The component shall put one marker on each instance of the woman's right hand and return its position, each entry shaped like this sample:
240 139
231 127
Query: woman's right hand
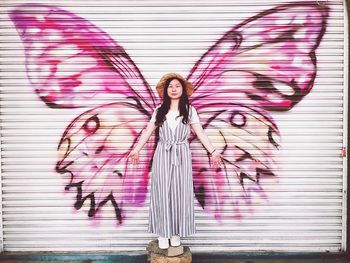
134 156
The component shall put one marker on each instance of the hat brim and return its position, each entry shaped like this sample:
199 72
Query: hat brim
161 84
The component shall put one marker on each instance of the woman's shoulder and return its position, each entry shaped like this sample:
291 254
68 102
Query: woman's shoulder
192 108
193 111
194 115
157 106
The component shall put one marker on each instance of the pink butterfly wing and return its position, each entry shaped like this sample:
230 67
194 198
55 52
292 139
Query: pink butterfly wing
93 151
267 62
72 63
248 140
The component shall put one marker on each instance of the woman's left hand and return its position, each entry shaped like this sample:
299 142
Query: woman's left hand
217 158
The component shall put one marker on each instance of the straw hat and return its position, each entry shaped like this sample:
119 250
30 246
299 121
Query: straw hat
161 84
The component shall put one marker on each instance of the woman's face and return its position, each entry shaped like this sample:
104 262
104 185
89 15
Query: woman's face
175 89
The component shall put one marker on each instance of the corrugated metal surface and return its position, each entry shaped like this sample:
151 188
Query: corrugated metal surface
306 209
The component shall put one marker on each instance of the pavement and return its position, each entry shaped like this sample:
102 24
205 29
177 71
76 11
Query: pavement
135 257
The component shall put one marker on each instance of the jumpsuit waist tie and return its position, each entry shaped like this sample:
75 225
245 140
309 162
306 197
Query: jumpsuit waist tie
172 146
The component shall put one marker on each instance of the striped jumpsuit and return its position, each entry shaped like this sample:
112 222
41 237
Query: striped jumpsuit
171 210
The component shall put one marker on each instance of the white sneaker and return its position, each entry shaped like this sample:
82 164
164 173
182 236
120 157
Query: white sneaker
175 241
163 242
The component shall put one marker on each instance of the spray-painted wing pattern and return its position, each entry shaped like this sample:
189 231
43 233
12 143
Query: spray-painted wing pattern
72 63
266 63
93 152
248 140
268 60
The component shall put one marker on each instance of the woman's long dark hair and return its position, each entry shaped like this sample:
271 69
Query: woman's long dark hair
184 104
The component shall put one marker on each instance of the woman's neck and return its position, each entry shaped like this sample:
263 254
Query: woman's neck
174 105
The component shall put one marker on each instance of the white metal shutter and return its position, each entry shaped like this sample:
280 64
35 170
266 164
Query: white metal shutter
307 208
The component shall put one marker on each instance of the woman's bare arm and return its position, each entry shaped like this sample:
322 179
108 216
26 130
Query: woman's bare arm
202 136
145 135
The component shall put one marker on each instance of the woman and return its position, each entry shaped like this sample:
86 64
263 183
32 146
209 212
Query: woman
172 197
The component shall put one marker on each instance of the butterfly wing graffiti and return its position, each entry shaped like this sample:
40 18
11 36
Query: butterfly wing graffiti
266 63
73 64
93 152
